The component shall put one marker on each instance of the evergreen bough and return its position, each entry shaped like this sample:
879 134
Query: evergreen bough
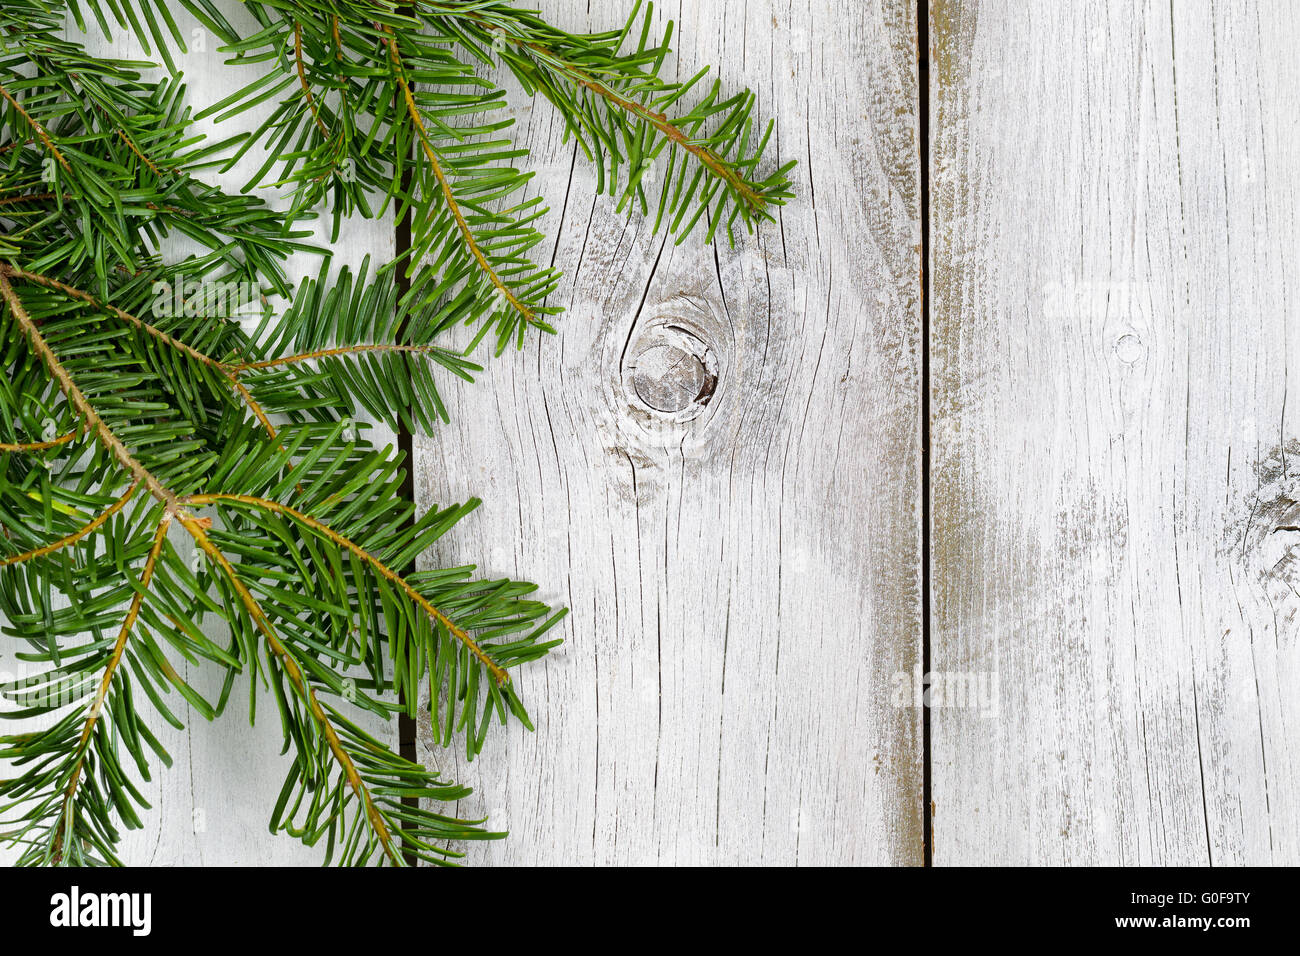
168 456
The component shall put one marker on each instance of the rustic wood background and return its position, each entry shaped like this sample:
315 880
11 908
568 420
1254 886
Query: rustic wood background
719 464
1114 224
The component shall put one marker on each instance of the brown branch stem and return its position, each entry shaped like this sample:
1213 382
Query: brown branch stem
37 127
88 529
136 149
115 658
330 353
441 175
295 675
35 197
302 79
39 445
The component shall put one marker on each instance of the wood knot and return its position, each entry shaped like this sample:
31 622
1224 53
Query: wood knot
1263 534
1129 348
670 372
669 379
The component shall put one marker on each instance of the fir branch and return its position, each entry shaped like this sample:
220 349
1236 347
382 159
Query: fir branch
64 825
18 273
197 528
77 398
89 528
615 102
755 199
498 673
295 675
448 195
189 351
33 446
37 128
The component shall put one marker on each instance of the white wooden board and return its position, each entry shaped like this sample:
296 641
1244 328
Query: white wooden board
1115 254
743 577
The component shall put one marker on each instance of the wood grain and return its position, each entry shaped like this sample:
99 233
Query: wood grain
1114 258
715 464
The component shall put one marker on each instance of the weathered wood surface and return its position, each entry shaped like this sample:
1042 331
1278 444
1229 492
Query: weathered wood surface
1114 225
715 465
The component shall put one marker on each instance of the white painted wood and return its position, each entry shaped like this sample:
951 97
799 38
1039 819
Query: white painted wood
214 804
1114 311
743 577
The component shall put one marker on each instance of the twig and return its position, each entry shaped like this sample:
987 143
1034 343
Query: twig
40 130
302 78
441 175
78 400
660 121
295 676
88 529
222 368
330 353
92 717
40 445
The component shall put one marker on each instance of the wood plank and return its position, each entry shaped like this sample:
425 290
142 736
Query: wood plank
1114 257
212 807
743 573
